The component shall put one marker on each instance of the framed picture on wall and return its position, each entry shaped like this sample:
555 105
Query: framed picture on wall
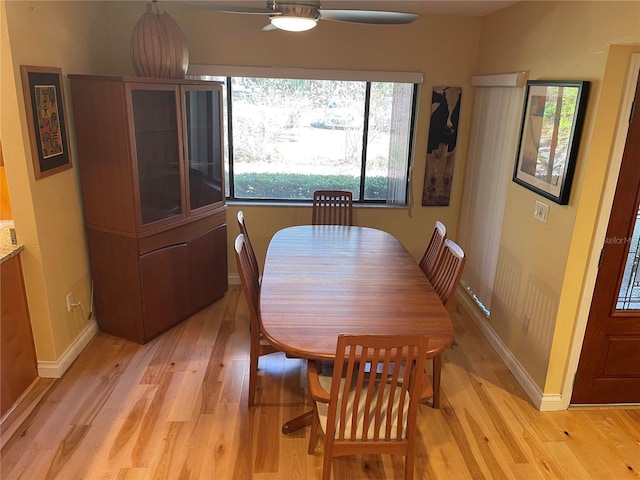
441 145
550 131
46 118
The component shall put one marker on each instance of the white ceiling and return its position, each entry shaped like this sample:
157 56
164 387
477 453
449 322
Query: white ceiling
437 7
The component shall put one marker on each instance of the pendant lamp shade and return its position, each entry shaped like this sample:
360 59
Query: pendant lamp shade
158 46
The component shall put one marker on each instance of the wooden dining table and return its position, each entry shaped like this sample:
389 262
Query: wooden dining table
320 281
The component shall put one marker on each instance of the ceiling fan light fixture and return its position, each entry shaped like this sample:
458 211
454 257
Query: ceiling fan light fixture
293 23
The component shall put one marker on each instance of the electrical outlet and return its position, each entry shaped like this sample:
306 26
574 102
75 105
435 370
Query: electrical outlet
541 211
525 324
70 301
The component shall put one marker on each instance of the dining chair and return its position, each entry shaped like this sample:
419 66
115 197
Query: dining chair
249 279
434 249
446 279
332 207
363 411
252 256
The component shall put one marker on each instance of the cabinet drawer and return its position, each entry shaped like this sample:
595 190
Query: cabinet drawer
182 233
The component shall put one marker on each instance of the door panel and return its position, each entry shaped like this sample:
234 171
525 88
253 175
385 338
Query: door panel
208 267
609 367
164 274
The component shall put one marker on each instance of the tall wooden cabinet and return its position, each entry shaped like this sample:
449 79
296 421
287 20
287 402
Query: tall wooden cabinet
152 173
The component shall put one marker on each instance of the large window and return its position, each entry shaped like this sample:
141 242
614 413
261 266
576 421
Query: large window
288 137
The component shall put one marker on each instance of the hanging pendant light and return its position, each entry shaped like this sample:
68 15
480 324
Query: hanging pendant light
158 46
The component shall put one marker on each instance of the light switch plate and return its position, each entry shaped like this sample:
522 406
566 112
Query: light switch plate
541 211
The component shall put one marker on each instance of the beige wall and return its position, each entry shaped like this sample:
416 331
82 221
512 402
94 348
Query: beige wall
48 212
554 40
549 39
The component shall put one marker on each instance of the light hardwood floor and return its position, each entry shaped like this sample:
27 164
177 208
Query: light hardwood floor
176 409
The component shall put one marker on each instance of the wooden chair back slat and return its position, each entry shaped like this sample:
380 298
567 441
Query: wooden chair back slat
374 395
434 250
247 240
248 278
332 207
448 271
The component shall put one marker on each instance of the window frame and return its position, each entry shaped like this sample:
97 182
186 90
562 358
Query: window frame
207 72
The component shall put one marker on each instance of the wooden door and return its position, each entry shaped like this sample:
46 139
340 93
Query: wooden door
609 367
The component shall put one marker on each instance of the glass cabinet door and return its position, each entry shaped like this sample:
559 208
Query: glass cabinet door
204 146
155 117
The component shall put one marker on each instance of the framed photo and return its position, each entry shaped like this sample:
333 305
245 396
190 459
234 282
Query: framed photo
46 118
552 120
441 149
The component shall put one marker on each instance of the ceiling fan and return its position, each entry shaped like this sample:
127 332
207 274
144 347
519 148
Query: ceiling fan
298 16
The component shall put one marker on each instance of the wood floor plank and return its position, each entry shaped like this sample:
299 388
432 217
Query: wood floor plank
525 471
221 451
176 409
509 440
232 389
213 379
462 439
170 458
436 454
582 437
612 426
243 445
631 419
567 461
34 464
22 443
486 444
17 415
186 405
66 449
269 421
131 474
197 448
151 424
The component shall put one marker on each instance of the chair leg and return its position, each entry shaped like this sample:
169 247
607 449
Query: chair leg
437 370
313 436
253 377
326 461
409 466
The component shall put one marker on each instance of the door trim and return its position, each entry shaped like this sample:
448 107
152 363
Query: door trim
601 226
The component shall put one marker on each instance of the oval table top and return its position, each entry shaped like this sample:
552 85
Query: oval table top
321 281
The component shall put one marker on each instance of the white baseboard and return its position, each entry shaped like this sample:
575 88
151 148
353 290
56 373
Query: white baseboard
234 279
553 402
543 402
56 369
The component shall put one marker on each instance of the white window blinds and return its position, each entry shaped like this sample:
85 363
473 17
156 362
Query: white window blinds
492 150
399 143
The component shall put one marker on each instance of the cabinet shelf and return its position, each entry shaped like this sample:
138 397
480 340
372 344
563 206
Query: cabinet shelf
164 131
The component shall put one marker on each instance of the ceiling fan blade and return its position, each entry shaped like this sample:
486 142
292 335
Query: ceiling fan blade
368 16
243 10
